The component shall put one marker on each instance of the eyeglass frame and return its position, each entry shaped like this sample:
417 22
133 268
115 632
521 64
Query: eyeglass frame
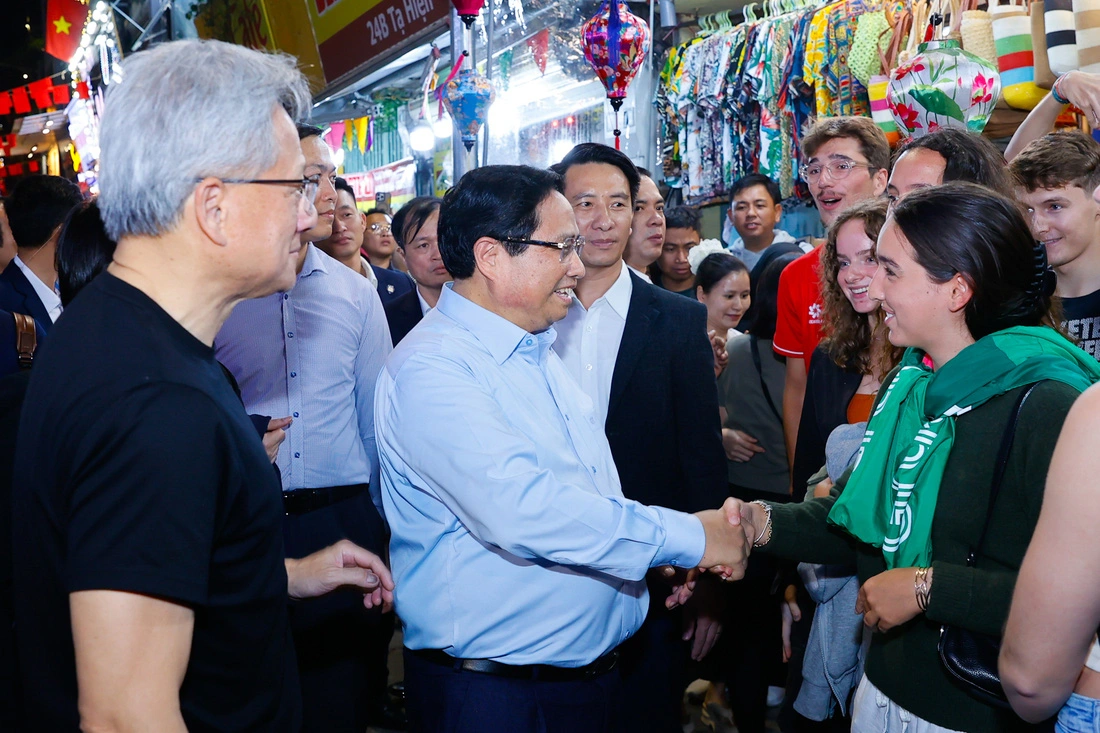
804 172
382 229
565 248
301 183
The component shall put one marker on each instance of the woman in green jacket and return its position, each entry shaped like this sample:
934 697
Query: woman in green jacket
967 290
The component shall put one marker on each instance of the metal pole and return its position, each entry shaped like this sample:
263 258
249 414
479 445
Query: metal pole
488 75
458 150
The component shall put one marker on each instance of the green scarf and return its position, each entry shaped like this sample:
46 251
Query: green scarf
890 498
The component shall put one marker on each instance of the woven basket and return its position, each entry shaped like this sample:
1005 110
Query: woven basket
977 34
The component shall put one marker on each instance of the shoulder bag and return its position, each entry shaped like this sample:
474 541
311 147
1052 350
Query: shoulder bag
969 656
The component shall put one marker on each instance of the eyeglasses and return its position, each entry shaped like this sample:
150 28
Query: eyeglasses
566 247
381 229
838 170
307 187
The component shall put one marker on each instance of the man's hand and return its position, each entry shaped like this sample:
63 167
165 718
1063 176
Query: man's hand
791 612
343 565
739 445
721 356
275 435
728 540
702 618
1083 92
889 599
682 581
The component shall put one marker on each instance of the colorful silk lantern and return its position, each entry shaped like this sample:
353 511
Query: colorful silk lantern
468 10
467 98
615 45
943 86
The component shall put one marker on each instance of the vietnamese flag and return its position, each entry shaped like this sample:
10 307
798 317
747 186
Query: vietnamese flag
64 24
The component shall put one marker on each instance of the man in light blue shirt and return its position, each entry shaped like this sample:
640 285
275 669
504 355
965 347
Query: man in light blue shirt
314 353
519 565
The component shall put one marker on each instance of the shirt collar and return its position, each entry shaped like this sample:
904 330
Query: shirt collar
500 336
46 293
617 296
314 262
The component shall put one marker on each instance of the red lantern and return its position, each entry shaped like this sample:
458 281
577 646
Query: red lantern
468 10
615 44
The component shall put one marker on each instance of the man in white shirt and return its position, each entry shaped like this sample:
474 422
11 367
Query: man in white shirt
36 211
642 356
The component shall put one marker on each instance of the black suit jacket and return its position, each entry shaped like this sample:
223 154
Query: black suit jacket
662 415
829 389
403 314
17 296
392 284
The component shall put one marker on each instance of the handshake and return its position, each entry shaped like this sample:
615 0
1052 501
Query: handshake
730 532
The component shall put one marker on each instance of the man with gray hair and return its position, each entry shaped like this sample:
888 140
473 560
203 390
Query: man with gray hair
152 592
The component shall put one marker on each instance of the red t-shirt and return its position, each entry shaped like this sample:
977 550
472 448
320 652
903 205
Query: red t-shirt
798 320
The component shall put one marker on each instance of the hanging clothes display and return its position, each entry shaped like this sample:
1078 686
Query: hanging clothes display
736 99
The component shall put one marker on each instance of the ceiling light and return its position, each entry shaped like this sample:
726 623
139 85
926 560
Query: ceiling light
422 138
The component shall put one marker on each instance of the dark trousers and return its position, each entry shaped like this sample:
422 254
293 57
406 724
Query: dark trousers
341 661
654 670
441 699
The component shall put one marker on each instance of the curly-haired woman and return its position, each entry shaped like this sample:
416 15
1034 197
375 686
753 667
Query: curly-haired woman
849 364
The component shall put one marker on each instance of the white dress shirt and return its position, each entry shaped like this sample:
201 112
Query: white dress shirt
424 307
49 297
368 272
588 340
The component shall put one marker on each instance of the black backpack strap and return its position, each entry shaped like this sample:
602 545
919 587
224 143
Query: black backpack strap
1000 467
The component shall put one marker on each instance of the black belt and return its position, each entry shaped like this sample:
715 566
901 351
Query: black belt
544 672
303 501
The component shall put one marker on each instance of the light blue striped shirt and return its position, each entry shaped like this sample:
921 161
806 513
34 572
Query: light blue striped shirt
314 353
511 537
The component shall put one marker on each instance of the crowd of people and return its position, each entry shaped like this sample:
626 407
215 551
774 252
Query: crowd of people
581 456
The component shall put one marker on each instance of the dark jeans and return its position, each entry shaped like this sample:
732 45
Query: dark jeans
341 655
440 699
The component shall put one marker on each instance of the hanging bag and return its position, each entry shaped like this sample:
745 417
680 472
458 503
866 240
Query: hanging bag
977 32
1086 19
969 656
1061 32
1043 76
877 84
1015 58
871 37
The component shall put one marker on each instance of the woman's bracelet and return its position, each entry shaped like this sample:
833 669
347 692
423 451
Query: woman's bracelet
1057 94
922 587
760 541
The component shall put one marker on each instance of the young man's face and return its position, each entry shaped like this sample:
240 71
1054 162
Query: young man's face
1065 220
754 214
378 237
319 163
647 232
915 169
674 256
852 179
600 196
347 229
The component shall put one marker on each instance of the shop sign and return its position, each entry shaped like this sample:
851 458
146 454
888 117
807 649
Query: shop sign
397 179
352 32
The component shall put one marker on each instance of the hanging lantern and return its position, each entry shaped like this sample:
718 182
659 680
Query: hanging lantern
468 10
467 98
615 45
943 86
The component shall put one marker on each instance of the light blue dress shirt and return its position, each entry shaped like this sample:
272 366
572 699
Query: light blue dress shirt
511 537
314 353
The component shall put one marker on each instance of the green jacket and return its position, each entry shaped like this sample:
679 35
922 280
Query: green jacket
904 663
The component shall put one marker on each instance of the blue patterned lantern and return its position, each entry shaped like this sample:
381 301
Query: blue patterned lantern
467 98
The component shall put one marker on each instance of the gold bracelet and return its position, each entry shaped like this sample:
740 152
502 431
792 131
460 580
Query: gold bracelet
922 588
767 524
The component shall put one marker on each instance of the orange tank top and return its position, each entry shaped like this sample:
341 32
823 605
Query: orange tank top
859 409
